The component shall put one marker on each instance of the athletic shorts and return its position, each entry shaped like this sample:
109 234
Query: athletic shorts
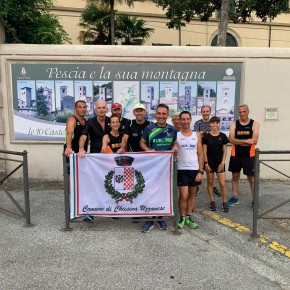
187 178
214 168
247 163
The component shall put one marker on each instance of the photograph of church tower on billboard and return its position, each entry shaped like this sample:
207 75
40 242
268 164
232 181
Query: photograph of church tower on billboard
64 99
206 95
225 103
84 92
187 97
169 95
26 97
26 105
150 97
102 90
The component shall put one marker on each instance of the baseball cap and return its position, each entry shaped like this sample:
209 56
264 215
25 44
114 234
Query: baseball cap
116 106
139 106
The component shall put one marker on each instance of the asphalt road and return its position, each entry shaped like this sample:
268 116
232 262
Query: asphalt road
114 254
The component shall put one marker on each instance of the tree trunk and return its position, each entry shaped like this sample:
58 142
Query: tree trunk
2 33
112 6
2 29
223 23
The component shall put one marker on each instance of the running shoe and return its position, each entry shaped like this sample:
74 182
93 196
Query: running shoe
216 192
181 222
192 224
233 200
147 227
225 207
212 206
88 218
162 225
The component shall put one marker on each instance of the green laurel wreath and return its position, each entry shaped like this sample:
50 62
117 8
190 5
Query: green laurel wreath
117 195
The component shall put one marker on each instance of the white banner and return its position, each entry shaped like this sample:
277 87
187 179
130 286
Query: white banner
135 184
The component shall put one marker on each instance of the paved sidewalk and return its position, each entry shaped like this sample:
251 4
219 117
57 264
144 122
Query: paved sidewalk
114 254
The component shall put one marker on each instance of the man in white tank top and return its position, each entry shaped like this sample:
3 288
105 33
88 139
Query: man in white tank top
190 164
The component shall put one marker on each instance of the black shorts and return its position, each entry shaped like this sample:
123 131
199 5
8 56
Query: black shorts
247 163
214 168
187 178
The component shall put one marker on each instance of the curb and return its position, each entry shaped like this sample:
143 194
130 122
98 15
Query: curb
262 240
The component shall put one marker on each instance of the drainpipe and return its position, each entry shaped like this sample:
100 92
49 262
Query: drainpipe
270 33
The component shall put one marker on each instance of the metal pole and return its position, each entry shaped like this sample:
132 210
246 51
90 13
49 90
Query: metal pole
66 194
26 189
175 194
256 193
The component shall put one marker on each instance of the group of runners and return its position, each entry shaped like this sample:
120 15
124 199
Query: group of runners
200 150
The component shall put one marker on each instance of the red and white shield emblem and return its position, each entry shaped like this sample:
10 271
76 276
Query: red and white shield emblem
124 178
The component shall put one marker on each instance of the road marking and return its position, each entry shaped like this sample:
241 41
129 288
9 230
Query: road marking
274 245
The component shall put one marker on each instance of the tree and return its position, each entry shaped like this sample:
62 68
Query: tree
63 116
96 21
223 23
29 21
183 11
111 4
42 110
132 30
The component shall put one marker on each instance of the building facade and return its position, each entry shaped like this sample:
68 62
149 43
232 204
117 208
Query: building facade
196 33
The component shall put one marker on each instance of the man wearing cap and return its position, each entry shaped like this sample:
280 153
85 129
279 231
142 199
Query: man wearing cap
117 110
134 130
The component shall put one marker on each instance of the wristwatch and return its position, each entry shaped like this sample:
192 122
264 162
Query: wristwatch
201 172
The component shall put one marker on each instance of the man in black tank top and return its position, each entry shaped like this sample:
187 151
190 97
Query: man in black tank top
74 127
244 134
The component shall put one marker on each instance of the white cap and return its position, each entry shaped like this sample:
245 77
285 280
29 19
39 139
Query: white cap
139 106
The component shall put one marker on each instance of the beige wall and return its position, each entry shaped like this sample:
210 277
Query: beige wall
255 34
265 83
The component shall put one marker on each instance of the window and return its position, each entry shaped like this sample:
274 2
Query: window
231 41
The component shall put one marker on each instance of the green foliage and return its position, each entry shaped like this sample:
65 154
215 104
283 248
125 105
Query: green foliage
96 22
182 11
132 30
111 4
212 93
42 110
263 9
45 117
29 21
199 90
63 116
